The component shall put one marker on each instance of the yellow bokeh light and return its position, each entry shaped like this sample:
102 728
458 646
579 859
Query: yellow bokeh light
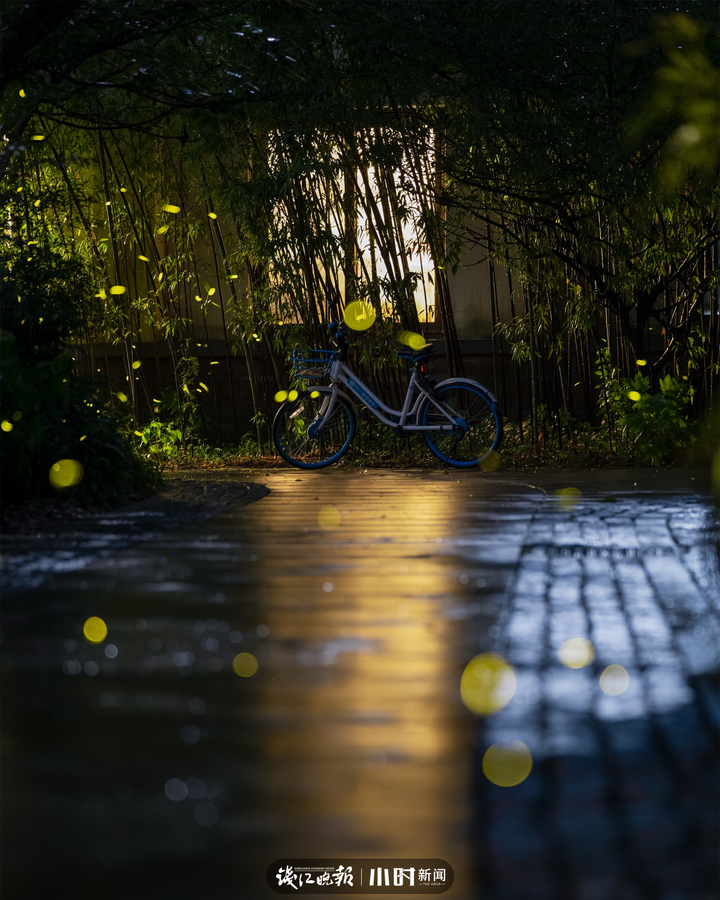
293 395
315 395
576 653
122 397
491 462
17 415
117 289
137 364
568 498
507 763
329 518
245 665
487 684
614 680
281 396
412 339
162 229
95 630
359 315
6 426
634 395
641 362
65 473
171 208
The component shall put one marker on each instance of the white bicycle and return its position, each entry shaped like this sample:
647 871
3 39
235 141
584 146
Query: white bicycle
459 417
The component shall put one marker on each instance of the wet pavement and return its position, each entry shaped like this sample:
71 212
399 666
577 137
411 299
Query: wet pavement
145 767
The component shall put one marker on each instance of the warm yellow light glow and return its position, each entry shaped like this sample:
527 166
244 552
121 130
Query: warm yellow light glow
576 653
568 498
491 462
487 684
162 229
82 437
171 208
359 315
412 339
507 763
634 395
281 396
144 258
95 630
614 680
329 518
293 395
65 473
245 665
315 394
641 362
38 137
212 215
17 415
117 289
137 364
21 92
122 397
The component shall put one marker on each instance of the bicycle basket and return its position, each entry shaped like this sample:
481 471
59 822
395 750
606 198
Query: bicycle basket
309 364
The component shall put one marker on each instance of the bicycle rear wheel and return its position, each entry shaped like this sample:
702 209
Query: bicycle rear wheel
296 439
479 432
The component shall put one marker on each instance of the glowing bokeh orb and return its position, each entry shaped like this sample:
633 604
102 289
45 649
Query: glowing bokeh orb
507 763
488 684
641 362
412 339
634 395
568 498
95 630
576 653
65 473
281 396
359 315
315 395
245 665
6 426
491 461
293 395
614 680
329 518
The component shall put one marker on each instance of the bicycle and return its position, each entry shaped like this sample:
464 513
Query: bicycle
459 417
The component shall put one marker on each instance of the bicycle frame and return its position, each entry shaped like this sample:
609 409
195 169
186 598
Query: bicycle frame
342 374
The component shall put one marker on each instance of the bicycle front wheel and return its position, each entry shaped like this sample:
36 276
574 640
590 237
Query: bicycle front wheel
479 432
297 437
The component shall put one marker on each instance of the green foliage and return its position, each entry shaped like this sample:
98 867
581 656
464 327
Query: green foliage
56 415
653 426
160 439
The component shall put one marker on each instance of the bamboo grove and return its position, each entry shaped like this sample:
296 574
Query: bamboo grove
226 184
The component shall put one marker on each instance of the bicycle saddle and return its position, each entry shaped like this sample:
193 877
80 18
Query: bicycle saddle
416 356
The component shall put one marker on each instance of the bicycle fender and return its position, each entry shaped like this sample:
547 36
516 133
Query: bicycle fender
476 384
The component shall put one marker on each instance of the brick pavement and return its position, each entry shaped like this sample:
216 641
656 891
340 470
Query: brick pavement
352 738
623 800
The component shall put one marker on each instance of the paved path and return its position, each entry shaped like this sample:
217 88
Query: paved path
351 739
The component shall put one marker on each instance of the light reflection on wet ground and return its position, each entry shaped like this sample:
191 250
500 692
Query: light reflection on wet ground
144 767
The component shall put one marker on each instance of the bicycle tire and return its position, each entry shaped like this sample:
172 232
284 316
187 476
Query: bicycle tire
293 420
464 449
